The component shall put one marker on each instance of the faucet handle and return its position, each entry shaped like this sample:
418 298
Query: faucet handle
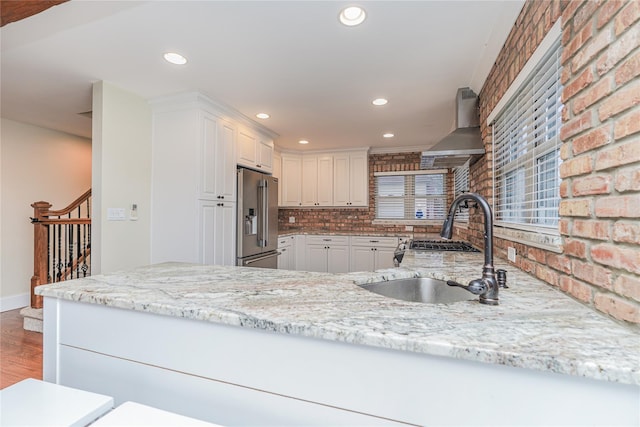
501 276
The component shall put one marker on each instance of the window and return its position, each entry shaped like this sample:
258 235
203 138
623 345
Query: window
526 149
461 185
411 196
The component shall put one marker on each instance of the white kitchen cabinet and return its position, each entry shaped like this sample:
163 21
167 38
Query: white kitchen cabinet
291 182
254 151
217 159
325 179
327 254
217 237
224 156
287 257
372 253
317 180
277 173
351 179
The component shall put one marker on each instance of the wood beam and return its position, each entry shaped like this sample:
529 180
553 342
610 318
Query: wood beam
15 10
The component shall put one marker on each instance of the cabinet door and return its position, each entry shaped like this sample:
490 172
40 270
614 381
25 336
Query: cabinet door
309 181
316 258
325 181
264 155
225 159
225 234
362 258
338 259
341 180
277 173
291 180
208 142
247 149
206 231
384 258
358 180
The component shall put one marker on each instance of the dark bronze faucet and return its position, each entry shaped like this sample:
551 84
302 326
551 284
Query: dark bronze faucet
487 286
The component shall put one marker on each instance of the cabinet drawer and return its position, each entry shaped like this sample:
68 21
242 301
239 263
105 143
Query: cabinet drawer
285 241
374 241
323 240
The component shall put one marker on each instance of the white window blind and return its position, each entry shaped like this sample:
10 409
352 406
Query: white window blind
461 185
411 196
526 149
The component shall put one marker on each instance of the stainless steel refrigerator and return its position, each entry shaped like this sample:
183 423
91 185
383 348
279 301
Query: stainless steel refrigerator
257 237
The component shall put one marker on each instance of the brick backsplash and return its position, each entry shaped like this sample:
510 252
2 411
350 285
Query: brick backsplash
600 190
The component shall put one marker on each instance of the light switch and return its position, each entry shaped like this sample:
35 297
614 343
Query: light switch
116 214
133 213
292 219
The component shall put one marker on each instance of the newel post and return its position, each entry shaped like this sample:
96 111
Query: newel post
40 258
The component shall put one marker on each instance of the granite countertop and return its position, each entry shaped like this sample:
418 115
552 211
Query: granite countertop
534 327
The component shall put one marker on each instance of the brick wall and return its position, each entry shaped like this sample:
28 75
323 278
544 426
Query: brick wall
600 190
357 220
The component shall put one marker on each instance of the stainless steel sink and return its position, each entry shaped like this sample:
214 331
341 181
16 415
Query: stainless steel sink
420 289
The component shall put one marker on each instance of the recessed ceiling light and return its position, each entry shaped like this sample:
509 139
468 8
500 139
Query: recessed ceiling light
262 116
388 135
379 101
352 16
303 141
175 58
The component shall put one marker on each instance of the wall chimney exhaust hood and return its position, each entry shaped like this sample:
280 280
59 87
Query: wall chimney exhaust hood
464 142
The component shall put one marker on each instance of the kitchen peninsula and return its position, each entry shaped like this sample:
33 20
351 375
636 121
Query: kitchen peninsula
237 346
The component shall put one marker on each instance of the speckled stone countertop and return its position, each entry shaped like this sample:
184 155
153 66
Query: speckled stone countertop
535 326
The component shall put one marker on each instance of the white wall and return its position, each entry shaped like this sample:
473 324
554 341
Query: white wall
35 164
121 177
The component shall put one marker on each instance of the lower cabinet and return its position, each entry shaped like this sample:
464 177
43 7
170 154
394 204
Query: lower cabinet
217 233
329 254
336 254
372 253
287 257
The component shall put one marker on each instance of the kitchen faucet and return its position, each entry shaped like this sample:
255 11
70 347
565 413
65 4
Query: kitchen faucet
487 286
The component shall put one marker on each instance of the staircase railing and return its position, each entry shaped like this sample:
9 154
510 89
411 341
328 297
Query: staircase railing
61 243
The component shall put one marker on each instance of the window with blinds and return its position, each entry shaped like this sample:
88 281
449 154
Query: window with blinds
461 185
415 196
526 149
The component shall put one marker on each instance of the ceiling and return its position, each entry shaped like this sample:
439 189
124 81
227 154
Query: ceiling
290 59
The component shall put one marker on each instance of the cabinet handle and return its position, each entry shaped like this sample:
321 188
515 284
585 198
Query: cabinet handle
222 197
326 240
258 166
374 241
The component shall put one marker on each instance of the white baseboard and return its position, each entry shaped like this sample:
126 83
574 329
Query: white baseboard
14 301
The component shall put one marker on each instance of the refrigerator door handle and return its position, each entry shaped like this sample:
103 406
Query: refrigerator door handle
262 213
265 217
262 257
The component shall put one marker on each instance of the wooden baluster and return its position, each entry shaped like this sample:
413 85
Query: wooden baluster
39 250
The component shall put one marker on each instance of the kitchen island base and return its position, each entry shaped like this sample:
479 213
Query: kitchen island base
235 375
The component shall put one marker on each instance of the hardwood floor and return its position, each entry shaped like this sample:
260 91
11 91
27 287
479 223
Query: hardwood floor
20 350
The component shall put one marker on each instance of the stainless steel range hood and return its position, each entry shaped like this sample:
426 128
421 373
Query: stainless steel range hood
464 142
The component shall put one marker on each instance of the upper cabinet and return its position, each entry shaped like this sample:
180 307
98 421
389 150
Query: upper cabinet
277 173
325 179
291 182
351 179
255 151
317 180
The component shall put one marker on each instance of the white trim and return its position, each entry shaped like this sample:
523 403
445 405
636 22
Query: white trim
420 172
543 48
14 302
549 242
416 222
391 150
